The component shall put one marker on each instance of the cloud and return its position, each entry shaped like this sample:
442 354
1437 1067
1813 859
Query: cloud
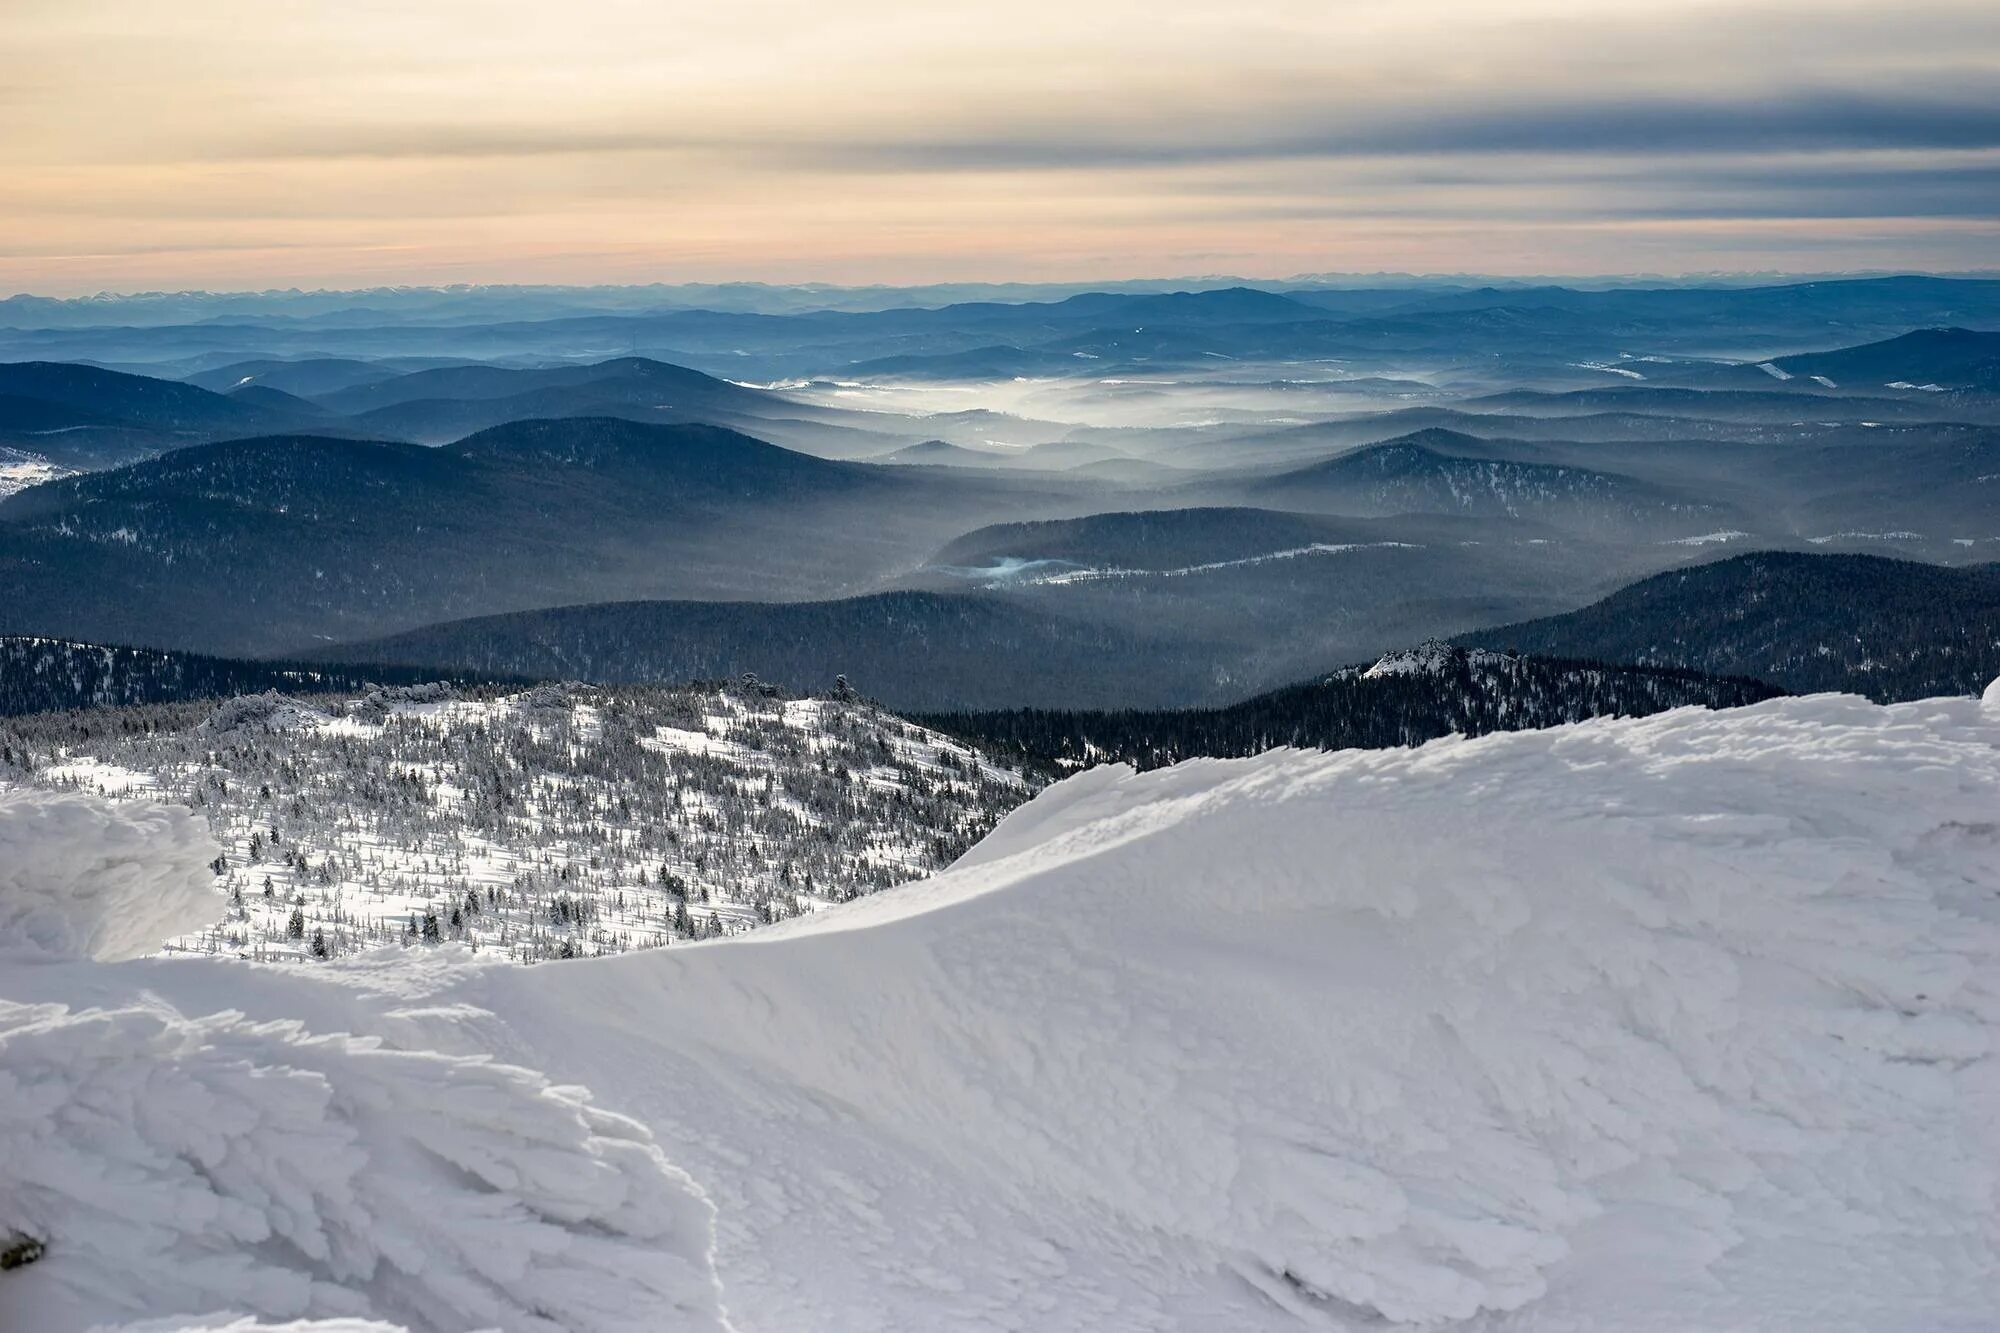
776 136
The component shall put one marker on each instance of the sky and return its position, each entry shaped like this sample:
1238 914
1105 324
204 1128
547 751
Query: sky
230 145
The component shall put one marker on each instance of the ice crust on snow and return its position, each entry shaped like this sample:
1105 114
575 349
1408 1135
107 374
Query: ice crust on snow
1631 1026
202 1163
82 878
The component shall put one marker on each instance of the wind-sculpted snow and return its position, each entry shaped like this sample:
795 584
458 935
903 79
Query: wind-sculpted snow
1635 1026
81 878
1665 1024
193 1164
231 1323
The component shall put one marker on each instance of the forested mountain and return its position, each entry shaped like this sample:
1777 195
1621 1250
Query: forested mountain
307 377
267 545
83 416
55 675
1403 699
1889 629
450 402
1933 360
555 822
1443 472
907 649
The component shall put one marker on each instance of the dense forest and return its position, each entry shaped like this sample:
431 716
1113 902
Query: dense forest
1860 624
54 675
1404 699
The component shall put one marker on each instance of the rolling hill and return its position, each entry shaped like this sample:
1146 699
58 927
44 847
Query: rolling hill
267 545
908 649
1444 472
81 416
1405 698
1935 359
1889 629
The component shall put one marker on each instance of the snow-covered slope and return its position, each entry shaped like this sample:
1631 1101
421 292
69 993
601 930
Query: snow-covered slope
557 822
1667 1024
1434 657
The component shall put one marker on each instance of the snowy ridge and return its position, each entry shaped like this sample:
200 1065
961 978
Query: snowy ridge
1688 1024
1434 657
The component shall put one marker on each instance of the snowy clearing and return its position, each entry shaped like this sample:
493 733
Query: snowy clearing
553 823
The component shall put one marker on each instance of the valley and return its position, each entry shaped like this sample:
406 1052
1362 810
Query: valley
1244 488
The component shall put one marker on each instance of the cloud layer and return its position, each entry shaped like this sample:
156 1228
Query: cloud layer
223 143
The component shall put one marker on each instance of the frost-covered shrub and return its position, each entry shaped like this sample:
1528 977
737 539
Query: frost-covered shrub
81 877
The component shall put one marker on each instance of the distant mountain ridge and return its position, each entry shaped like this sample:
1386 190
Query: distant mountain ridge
1935 359
40 675
258 546
1404 698
1446 472
1889 629
909 649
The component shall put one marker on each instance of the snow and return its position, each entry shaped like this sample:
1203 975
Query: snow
1433 657
81 878
194 1163
1633 1026
700 811
1014 569
18 471
1897 536
229 1323
1709 538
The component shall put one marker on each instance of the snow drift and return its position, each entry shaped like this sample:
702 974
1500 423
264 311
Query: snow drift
195 1164
1684 1022
1661 1024
178 1163
82 878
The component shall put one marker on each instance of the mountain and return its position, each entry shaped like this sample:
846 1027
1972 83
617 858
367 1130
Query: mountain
307 377
1934 359
553 822
908 649
1889 629
277 401
1405 698
1442 472
1806 399
1273 596
937 453
84 416
54 675
1670 1023
1224 305
449 402
266 545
